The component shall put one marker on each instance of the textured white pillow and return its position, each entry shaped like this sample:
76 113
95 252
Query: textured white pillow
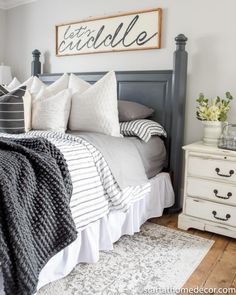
96 109
51 113
54 88
15 83
77 85
59 85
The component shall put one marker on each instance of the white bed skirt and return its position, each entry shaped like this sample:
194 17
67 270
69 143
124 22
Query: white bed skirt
101 234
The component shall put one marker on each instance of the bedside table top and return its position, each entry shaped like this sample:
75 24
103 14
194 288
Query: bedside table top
201 147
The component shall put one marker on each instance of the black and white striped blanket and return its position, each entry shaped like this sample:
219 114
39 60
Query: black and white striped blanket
95 191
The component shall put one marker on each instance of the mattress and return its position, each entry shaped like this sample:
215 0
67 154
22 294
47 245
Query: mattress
153 154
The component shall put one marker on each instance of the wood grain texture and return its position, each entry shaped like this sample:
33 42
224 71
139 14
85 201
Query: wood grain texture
218 268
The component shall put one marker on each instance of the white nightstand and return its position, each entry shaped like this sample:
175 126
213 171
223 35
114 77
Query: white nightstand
209 190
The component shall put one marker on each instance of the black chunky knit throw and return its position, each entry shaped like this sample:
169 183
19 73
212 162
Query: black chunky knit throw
35 218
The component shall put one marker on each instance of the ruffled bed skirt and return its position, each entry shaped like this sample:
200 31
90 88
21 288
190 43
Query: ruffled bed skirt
101 235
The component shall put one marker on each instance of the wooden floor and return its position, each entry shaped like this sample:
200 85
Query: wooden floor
218 269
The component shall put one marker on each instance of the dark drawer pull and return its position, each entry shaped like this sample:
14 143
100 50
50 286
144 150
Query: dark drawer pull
221 197
227 216
231 172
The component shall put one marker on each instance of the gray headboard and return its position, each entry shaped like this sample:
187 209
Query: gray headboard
163 90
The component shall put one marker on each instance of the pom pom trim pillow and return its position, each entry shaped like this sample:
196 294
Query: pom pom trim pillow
143 129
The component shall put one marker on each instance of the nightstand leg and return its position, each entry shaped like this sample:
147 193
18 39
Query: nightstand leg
182 222
186 222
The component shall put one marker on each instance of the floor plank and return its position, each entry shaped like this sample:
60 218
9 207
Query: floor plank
218 268
205 268
233 285
224 272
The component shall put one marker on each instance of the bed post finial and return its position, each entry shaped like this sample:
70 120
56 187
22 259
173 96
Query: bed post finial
179 83
36 64
181 40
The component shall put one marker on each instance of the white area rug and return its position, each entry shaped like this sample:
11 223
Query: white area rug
157 257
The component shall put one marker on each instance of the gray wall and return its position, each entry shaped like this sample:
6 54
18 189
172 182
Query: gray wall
210 26
2 34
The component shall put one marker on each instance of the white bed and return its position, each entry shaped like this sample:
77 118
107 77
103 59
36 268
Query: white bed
99 232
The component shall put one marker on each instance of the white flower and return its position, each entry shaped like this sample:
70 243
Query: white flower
214 110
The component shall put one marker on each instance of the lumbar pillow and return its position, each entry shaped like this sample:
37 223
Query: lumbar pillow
95 109
51 112
15 110
129 111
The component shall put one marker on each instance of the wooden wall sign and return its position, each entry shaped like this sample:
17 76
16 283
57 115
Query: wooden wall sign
131 31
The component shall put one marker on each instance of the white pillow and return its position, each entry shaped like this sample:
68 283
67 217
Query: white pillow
96 109
77 85
51 113
15 83
54 88
28 83
27 110
59 85
36 86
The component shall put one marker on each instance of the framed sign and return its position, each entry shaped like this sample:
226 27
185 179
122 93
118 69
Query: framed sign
130 31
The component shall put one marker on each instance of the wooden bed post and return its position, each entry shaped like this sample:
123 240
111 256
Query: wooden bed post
36 64
178 97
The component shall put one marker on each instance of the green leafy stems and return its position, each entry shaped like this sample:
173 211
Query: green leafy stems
215 109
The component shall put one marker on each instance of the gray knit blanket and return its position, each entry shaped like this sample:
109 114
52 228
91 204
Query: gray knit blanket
35 217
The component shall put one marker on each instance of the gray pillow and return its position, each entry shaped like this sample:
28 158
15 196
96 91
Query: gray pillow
129 111
12 110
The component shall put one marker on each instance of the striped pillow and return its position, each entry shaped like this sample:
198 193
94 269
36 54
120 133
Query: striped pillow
3 91
144 129
12 110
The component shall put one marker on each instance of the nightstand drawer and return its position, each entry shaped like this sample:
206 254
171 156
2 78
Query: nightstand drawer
211 211
212 168
212 190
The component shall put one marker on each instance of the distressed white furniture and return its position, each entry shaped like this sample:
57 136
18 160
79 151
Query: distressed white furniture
209 190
